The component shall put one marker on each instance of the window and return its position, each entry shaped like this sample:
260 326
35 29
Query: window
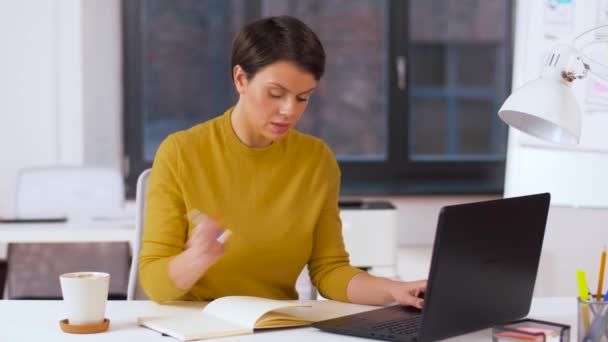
408 102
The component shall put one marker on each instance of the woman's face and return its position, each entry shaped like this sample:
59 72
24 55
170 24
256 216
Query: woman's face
273 100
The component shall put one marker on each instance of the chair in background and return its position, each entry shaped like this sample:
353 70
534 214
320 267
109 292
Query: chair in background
76 193
134 290
303 285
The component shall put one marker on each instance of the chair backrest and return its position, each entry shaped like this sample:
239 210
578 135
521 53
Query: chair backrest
134 291
68 191
303 285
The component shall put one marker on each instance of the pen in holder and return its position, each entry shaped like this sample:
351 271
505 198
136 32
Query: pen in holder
592 320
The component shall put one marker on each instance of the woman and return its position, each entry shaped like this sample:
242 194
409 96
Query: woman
276 189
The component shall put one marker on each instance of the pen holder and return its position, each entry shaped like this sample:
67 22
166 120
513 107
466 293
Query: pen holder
592 320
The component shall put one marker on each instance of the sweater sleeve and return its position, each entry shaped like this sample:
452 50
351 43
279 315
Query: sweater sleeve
329 266
165 227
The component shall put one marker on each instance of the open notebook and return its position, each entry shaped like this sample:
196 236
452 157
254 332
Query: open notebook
240 315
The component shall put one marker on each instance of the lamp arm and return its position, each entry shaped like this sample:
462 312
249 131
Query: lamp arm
576 42
591 46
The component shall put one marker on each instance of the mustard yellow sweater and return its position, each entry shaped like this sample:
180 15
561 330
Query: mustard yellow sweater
280 202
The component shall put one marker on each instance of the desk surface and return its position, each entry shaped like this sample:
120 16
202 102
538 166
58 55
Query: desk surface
38 321
71 231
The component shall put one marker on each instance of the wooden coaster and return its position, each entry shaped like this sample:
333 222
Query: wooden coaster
84 329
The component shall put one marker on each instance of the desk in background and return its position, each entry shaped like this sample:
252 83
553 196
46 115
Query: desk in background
369 231
371 242
71 231
75 231
38 321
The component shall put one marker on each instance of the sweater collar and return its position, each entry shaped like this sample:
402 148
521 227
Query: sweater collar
273 150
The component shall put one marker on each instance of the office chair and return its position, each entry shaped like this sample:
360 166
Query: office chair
304 286
33 269
134 290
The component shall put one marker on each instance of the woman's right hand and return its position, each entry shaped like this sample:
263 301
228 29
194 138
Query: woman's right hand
201 252
203 242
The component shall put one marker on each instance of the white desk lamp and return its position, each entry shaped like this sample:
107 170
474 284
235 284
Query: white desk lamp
546 107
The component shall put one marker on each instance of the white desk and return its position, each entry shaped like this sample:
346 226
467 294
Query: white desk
71 231
38 321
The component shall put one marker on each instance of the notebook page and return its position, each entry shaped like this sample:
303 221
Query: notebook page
193 326
280 318
245 311
325 309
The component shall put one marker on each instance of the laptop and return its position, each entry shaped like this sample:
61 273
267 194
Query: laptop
483 269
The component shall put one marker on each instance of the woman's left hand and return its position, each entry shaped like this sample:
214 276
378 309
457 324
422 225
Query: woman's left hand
407 292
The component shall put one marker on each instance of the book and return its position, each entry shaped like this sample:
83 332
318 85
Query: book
527 334
240 315
530 329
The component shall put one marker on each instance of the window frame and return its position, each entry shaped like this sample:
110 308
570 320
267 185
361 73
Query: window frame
397 175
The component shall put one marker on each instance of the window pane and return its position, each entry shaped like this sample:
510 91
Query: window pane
457 52
431 56
349 110
476 65
185 64
430 137
472 115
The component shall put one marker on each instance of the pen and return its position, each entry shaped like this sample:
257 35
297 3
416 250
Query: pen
583 293
225 235
196 217
600 281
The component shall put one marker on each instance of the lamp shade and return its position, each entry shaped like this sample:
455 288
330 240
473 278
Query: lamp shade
545 108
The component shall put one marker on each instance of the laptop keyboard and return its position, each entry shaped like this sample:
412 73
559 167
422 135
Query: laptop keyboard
407 326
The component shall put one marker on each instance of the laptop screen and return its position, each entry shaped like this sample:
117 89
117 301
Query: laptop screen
483 270
484 264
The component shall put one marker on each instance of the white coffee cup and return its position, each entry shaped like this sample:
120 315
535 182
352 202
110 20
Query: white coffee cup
85 295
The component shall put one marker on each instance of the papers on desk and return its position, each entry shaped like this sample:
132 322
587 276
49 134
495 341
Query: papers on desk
106 219
33 220
119 217
125 220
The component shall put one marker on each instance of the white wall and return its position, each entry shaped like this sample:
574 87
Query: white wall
28 99
102 82
60 88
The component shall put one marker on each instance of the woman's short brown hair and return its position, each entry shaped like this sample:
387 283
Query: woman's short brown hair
273 39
